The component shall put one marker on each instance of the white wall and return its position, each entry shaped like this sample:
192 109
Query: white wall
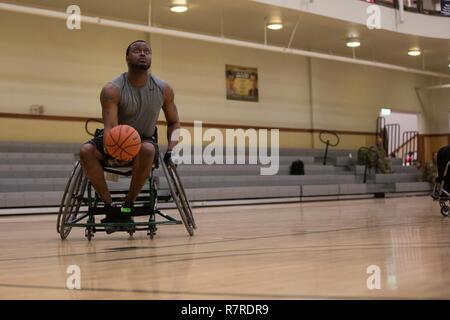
41 62
438 106
407 121
196 70
349 97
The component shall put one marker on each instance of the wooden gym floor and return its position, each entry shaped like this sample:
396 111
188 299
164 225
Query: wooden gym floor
284 251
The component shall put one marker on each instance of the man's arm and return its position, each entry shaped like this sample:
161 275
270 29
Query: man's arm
171 114
109 98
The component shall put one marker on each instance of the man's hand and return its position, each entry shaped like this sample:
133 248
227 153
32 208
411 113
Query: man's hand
113 162
168 158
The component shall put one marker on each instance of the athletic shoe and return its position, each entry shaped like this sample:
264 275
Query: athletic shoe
110 217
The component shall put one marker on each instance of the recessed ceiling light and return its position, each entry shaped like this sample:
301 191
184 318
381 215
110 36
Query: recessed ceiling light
414 52
179 8
275 26
353 43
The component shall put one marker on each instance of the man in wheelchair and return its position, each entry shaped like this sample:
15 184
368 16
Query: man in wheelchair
134 98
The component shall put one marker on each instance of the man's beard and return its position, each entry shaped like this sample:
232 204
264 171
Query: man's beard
139 66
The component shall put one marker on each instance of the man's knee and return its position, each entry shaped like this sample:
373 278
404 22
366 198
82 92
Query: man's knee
147 150
87 152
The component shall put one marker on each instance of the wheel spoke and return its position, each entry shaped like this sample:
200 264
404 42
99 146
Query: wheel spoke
72 200
174 190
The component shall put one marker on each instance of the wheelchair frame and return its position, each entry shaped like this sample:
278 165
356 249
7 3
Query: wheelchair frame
443 196
79 193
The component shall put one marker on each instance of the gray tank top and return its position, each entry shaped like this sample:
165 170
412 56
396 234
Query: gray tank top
140 107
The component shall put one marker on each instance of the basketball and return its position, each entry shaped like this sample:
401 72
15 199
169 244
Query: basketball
123 142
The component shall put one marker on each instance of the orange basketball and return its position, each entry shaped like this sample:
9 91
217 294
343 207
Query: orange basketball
123 142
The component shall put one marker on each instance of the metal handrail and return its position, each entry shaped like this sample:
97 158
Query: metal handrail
86 126
327 142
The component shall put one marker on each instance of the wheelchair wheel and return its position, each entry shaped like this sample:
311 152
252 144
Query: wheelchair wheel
176 196
72 200
151 231
183 197
88 234
445 210
63 199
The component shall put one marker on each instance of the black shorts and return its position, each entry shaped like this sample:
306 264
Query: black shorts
97 141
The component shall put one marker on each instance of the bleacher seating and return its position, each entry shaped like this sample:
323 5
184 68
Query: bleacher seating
33 175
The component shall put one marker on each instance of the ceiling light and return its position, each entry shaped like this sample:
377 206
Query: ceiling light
179 8
353 43
414 52
275 26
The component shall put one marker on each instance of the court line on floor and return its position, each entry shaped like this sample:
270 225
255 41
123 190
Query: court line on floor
217 241
281 235
266 251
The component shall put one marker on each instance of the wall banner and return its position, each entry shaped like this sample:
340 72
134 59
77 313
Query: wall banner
241 83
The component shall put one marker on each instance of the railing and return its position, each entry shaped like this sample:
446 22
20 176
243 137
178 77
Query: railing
390 133
410 143
392 141
381 123
87 125
419 6
410 146
325 137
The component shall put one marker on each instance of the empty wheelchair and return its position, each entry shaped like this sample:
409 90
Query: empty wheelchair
81 205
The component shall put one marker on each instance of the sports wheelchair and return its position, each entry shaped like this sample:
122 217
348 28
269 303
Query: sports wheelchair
80 204
440 193
441 187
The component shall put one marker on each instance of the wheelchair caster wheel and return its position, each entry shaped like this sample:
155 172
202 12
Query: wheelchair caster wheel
151 233
89 234
445 211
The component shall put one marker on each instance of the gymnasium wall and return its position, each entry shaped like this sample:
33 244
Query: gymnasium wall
43 63
437 110
432 143
436 113
349 96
